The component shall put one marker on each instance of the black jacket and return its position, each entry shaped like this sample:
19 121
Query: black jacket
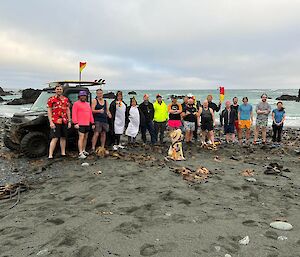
142 117
228 120
214 107
148 111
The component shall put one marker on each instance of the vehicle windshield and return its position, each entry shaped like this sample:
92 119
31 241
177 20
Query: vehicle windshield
40 103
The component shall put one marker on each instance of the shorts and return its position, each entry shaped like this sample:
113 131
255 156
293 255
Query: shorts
229 129
207 126
245 124
60 130
84 129
189 125
174 123
261 123
236 125
101 126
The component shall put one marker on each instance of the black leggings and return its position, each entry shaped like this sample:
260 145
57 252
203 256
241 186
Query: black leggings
277 131
117 138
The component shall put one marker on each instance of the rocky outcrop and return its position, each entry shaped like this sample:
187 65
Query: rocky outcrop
109 95
287 98
29 96
4 93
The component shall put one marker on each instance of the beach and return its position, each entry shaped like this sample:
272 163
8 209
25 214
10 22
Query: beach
134 204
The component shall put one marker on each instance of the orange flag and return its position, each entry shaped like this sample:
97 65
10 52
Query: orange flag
82 66
222 94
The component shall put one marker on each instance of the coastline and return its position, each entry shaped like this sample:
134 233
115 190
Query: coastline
138 206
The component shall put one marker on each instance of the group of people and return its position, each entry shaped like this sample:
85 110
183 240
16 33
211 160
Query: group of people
116 118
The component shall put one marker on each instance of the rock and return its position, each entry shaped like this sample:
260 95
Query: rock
234 158
218 248
42 252
109 95
132 93
227 255
251 179
29 96
281 225
84 164
282 238
287 98
244 241
4 93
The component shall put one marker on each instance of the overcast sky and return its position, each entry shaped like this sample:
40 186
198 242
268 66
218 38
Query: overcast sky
152 44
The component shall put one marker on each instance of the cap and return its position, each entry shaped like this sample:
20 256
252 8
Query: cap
158 95
189 95
82 93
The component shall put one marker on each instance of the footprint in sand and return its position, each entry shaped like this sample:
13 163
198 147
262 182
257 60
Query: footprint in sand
151 249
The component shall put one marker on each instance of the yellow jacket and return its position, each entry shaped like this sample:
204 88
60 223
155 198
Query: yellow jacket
160 112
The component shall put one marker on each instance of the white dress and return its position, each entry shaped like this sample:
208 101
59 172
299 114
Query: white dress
134 122
120 118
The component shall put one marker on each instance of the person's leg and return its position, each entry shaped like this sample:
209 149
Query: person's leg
151 132
156 128
52 147
118 139
80 142
248 135
227 137
85 141
240 135
256 132
94 139
232 137
195 135
212 136
143 130
279 133
274 136
264 134
63 143
162 131
204 134
103 138
187 136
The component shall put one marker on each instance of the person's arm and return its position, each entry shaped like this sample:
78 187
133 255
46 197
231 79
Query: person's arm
199 115
92 117
180 109
273 117
69 116
213 116
269 109
283 119
222 117
170 110
107 110
94 103
218 107
52 125
166 112
74 115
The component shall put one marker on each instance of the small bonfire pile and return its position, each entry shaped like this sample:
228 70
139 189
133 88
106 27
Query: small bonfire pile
199 175
10 190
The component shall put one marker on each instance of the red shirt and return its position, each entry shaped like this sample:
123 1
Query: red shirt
59 106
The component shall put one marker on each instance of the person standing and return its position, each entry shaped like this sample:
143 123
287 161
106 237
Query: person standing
160 118
101 114
197 104
228 117
175 110
148 110
59 119
190 117
185 101
235 106
212 105
207 120
134 119
83 119
278 117
245 116
263 110
117 109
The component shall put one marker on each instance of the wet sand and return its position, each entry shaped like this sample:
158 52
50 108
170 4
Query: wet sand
138 206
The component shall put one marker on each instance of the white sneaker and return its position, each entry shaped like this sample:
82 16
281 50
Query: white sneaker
120 146
81 156
115 147
85 153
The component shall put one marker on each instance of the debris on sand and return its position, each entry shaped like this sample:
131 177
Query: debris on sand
245 240
138 158
247 173
102 152
217 159
10 190
85 164
196 176
99 172
273 169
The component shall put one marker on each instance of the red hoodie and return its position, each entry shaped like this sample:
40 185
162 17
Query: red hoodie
82 113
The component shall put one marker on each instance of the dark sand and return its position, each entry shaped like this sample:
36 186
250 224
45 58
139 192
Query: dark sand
139 207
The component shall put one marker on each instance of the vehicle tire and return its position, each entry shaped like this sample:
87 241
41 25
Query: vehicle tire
10 144
34 144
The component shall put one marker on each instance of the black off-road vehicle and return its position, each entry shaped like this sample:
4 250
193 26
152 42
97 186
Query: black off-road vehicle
29 131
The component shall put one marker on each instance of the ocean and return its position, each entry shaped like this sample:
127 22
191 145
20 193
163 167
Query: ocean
291 107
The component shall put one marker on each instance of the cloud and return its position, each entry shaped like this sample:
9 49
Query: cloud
158 44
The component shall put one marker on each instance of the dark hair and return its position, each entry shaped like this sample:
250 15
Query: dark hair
264 94
133 99
282 108
99 89
58 85
245 98
119 92
234 98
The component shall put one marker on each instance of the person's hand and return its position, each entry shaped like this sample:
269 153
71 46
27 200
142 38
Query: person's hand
220 103
69 124
214 124
187 112
52 125
76 126
109 115
93 127
101 111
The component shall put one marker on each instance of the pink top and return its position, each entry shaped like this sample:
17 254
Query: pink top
82 114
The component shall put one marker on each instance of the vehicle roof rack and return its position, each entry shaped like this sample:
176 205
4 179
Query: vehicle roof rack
77 83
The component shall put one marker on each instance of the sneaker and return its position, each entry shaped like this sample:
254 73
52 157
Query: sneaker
115 147
120 146
85 153
81 156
